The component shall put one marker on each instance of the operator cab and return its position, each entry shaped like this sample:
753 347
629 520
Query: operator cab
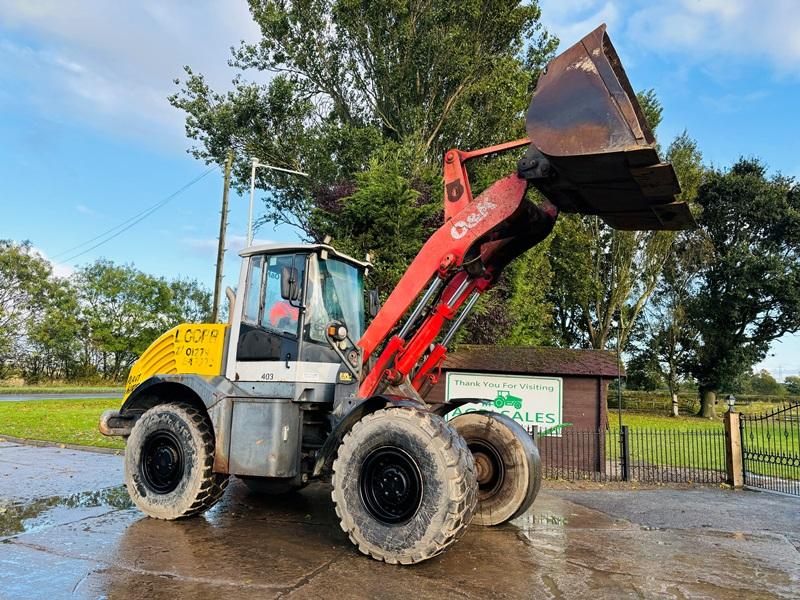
289 297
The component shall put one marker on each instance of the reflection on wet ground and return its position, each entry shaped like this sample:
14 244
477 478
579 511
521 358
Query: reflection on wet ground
92 544
18 517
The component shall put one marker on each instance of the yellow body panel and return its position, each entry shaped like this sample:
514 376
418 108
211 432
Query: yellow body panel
187 348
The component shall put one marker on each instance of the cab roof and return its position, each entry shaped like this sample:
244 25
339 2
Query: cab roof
276 248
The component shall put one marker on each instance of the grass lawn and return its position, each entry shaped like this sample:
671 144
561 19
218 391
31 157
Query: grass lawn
58 389
649 420
63 421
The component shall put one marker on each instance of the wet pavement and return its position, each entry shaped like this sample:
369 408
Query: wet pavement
67 530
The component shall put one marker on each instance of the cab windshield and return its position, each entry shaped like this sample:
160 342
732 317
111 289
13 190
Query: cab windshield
334 294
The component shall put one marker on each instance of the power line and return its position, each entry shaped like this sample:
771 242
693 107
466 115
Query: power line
130 222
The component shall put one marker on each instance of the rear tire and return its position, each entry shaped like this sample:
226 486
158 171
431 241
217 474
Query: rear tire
168 463
507 464
404 485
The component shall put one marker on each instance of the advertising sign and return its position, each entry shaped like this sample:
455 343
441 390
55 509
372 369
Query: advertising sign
531 401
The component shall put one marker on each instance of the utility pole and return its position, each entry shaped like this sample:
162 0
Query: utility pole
223 226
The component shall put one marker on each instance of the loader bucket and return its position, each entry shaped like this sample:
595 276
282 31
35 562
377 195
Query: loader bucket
587 127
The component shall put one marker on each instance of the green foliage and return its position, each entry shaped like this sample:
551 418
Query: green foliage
603 278
367 110
408 78
792 385
348 89
644 372
651 108
388 213
749 289
93 325
763 383
24 283
123 310
687 160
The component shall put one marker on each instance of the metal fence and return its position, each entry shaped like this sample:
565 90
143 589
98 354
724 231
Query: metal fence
644 455
771 449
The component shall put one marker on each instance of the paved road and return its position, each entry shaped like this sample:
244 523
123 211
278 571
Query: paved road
67 530
45 396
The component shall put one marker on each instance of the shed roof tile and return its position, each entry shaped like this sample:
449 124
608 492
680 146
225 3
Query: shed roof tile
533 360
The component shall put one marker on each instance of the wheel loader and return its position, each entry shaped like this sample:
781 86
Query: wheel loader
297 387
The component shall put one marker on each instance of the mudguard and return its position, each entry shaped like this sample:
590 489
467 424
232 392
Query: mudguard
208 389
327 453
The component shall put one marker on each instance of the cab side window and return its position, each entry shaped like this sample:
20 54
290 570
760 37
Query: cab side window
269 326
253 305
280 314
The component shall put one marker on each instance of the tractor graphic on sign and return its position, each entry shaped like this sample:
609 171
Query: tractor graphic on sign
505 399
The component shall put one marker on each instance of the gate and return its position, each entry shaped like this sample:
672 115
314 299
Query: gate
771 450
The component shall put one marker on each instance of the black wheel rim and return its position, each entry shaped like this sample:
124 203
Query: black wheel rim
162 462
489 467
391 485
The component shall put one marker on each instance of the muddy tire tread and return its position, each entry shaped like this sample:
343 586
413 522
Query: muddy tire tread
460 472
212 485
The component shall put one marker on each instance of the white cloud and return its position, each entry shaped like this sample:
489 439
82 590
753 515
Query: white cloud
570 20
85 210
59 269
718 34
728 31
112 64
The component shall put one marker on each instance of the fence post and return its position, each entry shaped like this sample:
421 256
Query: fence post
624 455
733 449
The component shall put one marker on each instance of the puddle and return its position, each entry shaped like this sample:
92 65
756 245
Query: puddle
20 517
541 519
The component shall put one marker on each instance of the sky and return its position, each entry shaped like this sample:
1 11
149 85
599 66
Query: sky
88 138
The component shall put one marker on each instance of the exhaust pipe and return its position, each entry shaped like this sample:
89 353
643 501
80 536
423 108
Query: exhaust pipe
591 150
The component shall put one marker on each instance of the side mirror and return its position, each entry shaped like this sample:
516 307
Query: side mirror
290 289
374 302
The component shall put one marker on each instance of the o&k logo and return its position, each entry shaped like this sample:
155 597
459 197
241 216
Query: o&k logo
482 208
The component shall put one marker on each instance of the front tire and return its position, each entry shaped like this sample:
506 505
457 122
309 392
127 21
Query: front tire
168 463
404 485
507 464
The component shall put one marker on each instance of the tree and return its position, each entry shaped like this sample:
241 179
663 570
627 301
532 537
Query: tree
123 310
669 331
749 290
58 347
24 284
763 383
367 110
792 385
516 312
643 372
603 278
601 274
